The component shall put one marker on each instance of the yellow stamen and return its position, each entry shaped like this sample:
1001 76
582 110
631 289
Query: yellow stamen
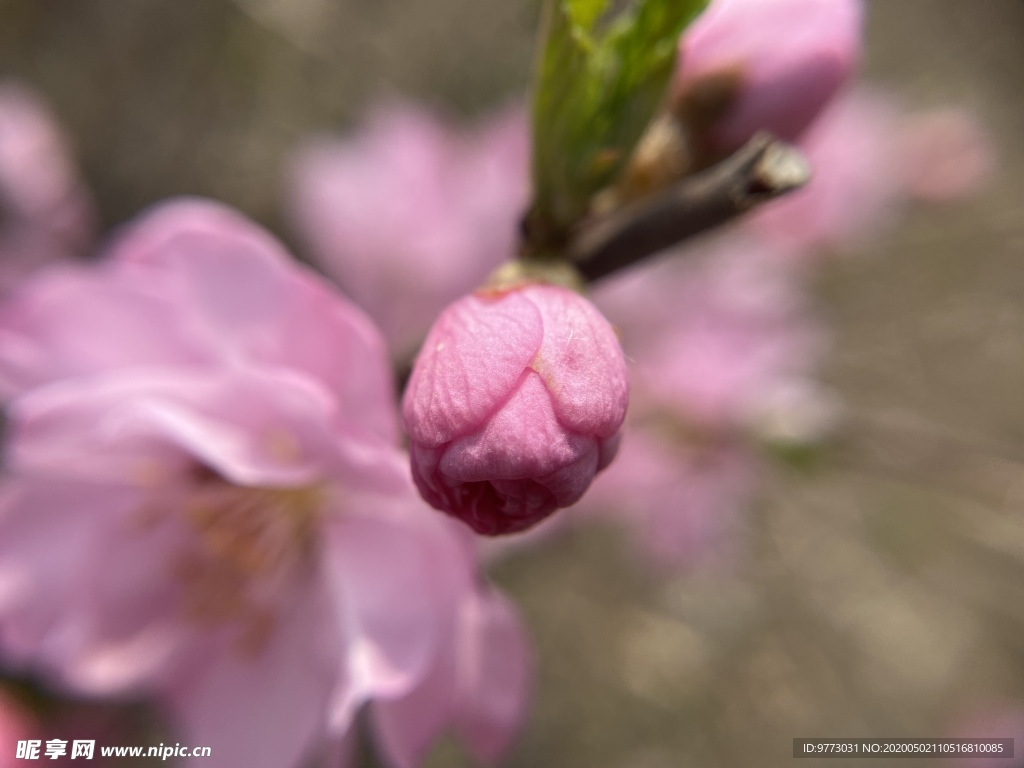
249 544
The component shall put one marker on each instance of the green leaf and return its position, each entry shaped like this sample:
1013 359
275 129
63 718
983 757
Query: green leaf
598 84
585 13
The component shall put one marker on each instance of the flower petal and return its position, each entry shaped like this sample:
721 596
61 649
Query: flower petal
791 57
481 685
398 572
406 727
71 321
404 257
581 362
264 709
249 301
269 428
76 621
472 358
524 439
494 676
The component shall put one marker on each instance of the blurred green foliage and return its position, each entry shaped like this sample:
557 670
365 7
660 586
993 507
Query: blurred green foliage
599 82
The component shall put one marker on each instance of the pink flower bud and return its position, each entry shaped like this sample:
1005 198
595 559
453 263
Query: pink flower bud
514 405
784 58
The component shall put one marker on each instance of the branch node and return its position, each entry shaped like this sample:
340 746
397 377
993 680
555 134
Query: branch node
761 170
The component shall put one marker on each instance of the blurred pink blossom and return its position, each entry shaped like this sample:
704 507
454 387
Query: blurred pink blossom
680 499
514 404
408 214
479 686
204 500
46 212
869 157
707 332
786 57
946 155
721 349
856 189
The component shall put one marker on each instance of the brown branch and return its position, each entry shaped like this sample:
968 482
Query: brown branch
761 170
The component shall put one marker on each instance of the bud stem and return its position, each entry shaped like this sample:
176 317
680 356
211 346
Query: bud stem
763 169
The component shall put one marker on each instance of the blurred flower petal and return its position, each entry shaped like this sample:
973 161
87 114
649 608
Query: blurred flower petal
408 215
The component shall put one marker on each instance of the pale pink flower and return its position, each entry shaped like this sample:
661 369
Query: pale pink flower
785 58
870 157
709 331
856 191
204 500
681 498
720 345
408 214
946 155
46 212
514 404
479 687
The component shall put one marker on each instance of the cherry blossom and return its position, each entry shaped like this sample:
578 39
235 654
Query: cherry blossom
204 500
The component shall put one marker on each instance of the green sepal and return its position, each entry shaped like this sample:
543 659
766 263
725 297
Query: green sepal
598 84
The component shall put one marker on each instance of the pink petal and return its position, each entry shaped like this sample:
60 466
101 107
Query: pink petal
408 214
679 500
496 181
396 579
24 250
791 56
407 726
158 418
130 638
581 362
480 685
855 190
946 155
75 320
523 439
264 708
39 183
247 300
251 427
76 621
471 360
731 323
568 484
495 667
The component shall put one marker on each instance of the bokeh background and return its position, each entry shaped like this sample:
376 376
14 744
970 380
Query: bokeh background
879 593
